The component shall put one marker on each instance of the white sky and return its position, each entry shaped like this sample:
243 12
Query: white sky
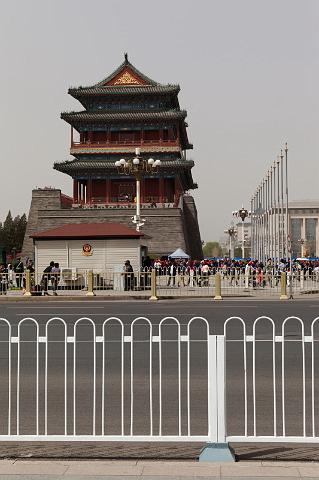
249 76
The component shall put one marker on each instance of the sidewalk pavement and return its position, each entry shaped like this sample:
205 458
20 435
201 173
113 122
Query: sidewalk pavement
142 296
146 470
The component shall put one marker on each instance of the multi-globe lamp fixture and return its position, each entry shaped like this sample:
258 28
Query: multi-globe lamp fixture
138 167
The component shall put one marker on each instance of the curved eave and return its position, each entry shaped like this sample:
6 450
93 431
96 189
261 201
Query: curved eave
82 92
74 118
184 136
187 180
73 166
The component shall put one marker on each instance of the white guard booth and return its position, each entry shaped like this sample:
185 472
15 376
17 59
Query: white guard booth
101 247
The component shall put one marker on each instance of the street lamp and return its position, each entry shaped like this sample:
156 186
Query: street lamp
232 232
243 214
302 242
137 167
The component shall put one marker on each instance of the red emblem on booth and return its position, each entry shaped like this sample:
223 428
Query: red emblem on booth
87 249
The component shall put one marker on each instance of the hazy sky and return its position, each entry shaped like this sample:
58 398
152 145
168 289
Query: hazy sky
249 76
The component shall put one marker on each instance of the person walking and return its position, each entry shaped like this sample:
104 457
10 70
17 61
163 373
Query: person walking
171 274
204 274
19 269
55 277
128 276
46 277
3 280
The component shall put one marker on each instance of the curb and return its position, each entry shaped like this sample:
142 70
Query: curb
85 298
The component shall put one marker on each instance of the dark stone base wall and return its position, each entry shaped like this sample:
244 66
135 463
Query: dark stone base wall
43 200
191 228
169 228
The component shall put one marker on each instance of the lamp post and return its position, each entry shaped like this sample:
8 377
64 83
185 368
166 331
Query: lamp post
231 231
302 242
137 167
243 214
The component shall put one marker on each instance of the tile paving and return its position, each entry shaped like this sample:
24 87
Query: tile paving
156 470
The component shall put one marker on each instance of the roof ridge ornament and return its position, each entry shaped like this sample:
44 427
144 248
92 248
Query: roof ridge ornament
127 65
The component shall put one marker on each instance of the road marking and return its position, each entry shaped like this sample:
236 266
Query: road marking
106 314
46 308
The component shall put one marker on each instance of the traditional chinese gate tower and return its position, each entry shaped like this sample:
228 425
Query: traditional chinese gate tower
124 111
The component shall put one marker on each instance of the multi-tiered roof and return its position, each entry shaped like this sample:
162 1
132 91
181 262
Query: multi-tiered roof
127 100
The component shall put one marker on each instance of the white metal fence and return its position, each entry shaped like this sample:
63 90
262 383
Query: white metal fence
171 381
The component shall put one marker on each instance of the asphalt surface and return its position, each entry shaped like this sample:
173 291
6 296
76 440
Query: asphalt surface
216 314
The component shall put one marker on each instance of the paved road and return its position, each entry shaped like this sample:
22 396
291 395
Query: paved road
215 313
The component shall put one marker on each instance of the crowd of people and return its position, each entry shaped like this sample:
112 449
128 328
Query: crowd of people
12 276
196 272
174 272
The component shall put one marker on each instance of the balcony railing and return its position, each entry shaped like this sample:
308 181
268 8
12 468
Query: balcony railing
129 201
121 205
123 142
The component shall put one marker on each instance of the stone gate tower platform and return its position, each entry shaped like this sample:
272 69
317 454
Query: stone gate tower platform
124 111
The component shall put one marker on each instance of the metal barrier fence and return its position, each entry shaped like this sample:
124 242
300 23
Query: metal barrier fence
173 381
83 382
179 284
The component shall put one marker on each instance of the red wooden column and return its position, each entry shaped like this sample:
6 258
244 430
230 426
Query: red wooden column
142 190
79 191
89 191
178 134
75 191
161 190
161 136
108 186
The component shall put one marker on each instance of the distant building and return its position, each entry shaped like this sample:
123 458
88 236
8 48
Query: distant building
247 231
304 228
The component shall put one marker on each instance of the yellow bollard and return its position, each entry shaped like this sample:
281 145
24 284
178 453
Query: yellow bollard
283 282
153 296
27 292
218 287
90 292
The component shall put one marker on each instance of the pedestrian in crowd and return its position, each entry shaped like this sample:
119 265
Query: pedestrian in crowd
260 277
128 276
30 266
19 269
46 277
3 279
171 274
191 273
10 275
269 272
55 277
233 271
204 274
157 265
